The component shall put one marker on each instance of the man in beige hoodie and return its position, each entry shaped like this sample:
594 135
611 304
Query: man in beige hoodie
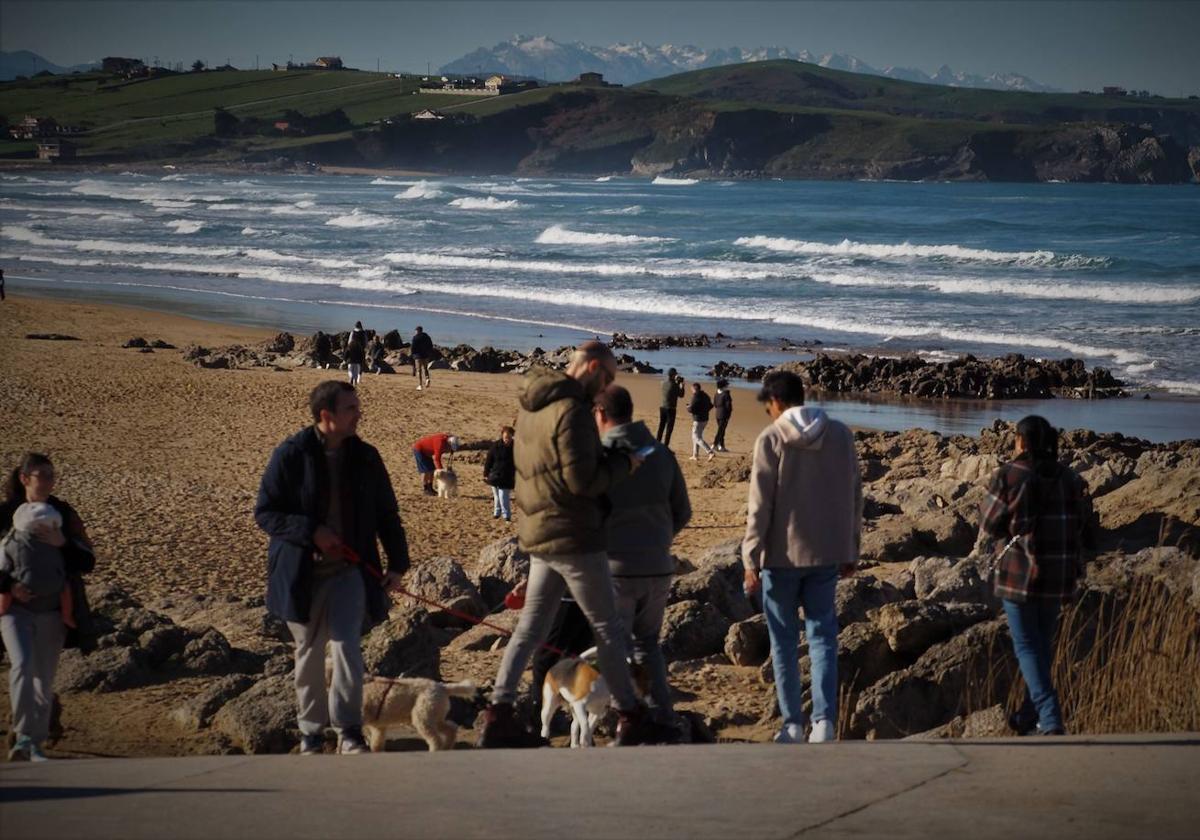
803 530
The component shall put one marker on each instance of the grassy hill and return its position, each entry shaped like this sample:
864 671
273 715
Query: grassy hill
778 118
158 117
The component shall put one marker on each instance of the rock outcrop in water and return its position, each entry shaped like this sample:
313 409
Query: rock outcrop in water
1007 377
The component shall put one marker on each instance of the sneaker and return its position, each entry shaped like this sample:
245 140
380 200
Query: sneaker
822 732
495 516
1022 723
312 744
419 388
636 727
693 458
508 519
350 742
502 730
790 733
36 754
712 454
22 750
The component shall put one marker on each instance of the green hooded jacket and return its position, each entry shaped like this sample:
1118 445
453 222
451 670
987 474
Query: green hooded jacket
562 470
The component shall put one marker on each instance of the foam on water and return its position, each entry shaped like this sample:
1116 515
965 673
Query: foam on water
486 203
646 268
359 219
185 225
559 235
603 179
631 210
907 250
663 180
420 190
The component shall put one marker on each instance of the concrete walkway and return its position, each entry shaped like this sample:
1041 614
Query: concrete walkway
1075 787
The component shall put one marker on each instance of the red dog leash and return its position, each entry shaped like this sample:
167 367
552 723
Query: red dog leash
352 557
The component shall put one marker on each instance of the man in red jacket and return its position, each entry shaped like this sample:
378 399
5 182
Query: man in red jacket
428 453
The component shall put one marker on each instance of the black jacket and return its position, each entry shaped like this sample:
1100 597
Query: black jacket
422 346
292 501
500 470
356 354
723 403
700 406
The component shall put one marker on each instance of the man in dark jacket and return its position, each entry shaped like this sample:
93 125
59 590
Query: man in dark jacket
700 407
672 390
648 509
722 410
563 475
422 355
325 494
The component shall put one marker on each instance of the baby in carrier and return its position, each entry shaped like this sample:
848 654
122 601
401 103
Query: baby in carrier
31 553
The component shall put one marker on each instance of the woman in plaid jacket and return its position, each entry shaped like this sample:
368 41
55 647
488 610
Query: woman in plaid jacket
1043 512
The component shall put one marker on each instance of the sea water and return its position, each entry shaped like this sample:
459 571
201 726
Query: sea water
1106 273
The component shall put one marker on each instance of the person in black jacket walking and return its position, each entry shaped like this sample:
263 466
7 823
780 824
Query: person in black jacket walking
700 407
672 390
422 355
722 410
356 357
324 500
500 473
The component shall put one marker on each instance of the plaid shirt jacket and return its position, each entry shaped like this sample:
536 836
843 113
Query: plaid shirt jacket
1044 550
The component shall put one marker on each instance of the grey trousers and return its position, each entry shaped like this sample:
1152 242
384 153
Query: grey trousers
589 580
641 602
336 619
34 641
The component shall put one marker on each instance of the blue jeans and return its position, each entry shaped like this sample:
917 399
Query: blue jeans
1032 627
502 502
784 591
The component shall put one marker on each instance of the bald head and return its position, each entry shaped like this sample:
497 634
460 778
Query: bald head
593 366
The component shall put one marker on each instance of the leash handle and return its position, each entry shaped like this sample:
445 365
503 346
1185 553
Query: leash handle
351 556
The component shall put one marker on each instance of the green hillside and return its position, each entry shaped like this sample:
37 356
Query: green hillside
150 117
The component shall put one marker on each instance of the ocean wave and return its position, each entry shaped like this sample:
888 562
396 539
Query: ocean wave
419 190
645 268
174 177
907 250
108 246
169 205
559 235
603 179
1136 293
631 210
663 180
185 225
359 219
486 203
1176 386
388 182
6 204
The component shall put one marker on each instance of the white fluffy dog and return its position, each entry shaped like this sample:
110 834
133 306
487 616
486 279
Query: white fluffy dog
446 483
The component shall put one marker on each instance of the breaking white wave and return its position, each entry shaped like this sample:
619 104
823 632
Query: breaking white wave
486 203
559 235
359 219
906 250
1179 387
167 205
249 231
388 182
108 246
645 268
106 214
1123 293
631 210
663 180
185 225
175 177
421 189
603 179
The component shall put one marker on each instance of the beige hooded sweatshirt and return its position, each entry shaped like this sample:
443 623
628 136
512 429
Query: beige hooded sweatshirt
805 505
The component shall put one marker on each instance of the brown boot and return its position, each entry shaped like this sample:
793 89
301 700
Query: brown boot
502 730
637 726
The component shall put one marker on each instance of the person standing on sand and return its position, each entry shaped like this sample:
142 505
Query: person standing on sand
562 476
803 529
722 410
33 625
649 509
325 499
672 390
422 355
500 473
1042 509
356 357
357 334
1 284
700 407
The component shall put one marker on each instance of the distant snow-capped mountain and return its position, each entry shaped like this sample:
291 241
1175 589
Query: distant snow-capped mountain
544 58
26 63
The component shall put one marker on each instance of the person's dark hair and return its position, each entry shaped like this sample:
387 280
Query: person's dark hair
325 396
671 373
508 429
420 328
782 385
617 403
1041 440
358 325
14 490
722 383
695 386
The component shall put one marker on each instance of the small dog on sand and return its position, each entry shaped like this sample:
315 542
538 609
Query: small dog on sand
446 483
581 687
413 701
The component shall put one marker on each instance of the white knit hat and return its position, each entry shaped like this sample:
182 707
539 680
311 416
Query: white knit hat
31 514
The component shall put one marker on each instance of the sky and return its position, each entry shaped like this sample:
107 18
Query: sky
1081 44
